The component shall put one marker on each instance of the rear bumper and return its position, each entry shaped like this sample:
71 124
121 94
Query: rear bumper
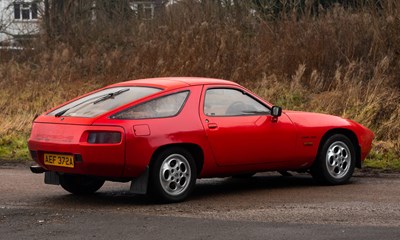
106 160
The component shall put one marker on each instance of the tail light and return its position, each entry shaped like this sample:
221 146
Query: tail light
104 137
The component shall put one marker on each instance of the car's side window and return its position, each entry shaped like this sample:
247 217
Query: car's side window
165 106
232 102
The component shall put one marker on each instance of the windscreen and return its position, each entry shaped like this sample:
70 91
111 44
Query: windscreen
103 101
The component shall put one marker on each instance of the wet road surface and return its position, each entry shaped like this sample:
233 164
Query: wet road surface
266 206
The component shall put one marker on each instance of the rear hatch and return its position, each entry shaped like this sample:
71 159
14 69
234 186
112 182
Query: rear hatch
65 139
73 148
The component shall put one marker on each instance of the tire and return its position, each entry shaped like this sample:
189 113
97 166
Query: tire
335 162
173 175
80 184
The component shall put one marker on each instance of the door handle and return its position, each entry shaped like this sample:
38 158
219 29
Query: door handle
212 125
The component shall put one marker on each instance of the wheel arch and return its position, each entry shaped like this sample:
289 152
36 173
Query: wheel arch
194 149
348 133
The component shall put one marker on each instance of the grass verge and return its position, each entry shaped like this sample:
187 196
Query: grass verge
14 147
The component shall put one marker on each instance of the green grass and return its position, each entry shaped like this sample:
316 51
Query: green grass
14 147
384 161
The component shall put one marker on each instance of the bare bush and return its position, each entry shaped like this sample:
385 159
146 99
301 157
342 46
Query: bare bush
342 61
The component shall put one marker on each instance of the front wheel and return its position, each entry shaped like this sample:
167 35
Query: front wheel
80 184
335 162
173 175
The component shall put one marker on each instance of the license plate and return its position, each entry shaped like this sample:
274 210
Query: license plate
59 160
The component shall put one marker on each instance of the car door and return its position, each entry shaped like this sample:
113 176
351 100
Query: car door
241 130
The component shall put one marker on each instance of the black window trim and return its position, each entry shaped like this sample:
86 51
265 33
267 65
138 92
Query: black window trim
32 8
157 97
244 93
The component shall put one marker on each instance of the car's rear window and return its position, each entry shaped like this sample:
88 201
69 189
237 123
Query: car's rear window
103 101
162 107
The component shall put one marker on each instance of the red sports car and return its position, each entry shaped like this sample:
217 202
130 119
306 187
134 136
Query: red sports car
164 133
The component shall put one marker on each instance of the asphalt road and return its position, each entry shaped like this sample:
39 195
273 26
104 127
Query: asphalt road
266 206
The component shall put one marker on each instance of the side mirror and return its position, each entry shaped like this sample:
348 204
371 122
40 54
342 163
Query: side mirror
276 111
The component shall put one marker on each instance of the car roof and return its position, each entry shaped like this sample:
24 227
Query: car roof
167 83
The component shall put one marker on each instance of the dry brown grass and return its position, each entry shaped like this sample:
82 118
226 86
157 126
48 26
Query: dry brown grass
343 62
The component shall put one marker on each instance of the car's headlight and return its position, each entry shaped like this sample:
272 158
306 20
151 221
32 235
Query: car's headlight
104 137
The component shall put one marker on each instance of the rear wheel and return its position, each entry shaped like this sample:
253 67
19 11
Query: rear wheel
80 184
335 162
173 175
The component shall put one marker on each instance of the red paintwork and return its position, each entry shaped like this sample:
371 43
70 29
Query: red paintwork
230 145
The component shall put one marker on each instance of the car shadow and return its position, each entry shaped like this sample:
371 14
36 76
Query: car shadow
256 183
204 189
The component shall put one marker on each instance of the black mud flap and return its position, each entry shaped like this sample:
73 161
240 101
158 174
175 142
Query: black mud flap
139 185
51 178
